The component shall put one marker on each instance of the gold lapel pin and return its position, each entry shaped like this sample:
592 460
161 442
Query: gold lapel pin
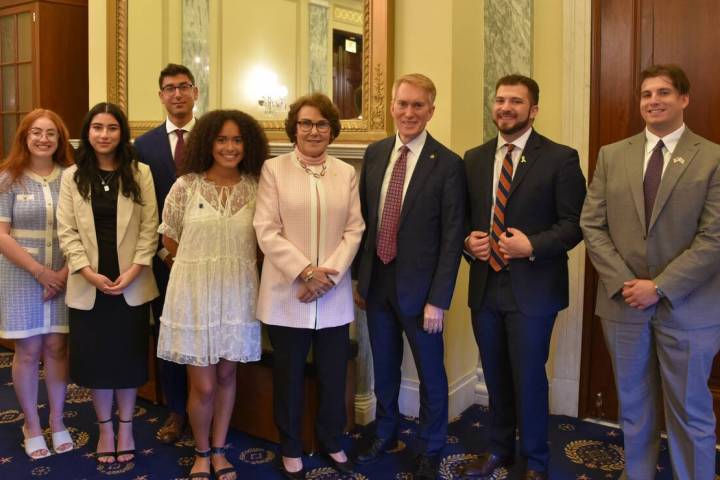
432 155
522 159
679 160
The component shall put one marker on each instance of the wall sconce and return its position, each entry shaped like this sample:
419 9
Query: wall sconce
263 86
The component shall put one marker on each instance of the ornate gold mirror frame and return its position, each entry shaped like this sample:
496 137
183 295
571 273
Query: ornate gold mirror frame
377 74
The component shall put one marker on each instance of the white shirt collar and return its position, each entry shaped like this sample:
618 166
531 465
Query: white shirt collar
415 145
519 142
171 127
670 140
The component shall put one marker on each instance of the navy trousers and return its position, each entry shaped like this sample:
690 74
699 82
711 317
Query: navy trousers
514 349
172 376
386 324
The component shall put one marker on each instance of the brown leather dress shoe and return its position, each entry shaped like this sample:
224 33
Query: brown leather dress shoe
173 428
535 475
486 465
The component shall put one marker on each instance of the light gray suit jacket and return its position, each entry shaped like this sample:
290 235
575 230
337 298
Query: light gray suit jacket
679 250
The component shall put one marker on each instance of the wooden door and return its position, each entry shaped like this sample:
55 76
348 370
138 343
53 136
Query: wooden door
17 58
347 73
629 35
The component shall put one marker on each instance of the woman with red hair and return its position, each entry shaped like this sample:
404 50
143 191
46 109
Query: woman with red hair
33 272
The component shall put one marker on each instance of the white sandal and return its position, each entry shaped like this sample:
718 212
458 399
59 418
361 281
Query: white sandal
62 438
34 445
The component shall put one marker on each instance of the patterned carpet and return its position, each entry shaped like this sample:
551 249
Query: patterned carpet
580 450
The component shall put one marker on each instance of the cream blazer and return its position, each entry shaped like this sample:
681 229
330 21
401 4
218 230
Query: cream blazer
136 240
286 222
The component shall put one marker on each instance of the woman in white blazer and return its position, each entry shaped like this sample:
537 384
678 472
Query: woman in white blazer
309 225
107 222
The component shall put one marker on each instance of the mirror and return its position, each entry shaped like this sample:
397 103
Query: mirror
258 56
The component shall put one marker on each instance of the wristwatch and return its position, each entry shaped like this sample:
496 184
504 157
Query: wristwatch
659 292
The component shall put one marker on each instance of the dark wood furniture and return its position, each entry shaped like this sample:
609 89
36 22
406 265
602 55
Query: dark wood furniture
253 413
43 62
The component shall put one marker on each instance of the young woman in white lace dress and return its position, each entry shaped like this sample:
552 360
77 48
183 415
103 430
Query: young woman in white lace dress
208 319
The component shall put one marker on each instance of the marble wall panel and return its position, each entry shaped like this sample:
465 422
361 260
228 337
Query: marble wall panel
318 39
508 48
195 47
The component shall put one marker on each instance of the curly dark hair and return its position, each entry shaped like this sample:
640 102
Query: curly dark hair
199 152
326 107
87 166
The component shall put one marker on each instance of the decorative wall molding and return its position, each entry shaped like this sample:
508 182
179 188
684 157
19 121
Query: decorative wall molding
350 152
577 29
347 15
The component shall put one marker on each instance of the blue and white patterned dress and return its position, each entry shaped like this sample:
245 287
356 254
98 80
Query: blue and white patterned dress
29 207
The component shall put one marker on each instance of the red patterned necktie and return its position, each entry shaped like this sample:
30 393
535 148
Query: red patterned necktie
496 260
179 156
387 233
651 182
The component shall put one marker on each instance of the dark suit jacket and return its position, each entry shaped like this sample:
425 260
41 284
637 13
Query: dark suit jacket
153 148
431 230
545 201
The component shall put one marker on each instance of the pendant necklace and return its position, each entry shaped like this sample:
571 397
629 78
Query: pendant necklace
106 180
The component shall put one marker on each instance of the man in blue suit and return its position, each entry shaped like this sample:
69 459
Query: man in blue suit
163 148
525 197
412 192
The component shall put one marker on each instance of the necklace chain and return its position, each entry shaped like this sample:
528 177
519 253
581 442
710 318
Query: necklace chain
309 171
105 180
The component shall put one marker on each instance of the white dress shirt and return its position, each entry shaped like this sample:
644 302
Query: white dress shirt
415 147
669 141
171 127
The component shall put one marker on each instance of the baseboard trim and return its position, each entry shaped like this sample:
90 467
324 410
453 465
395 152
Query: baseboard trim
564 397
461 394
364 408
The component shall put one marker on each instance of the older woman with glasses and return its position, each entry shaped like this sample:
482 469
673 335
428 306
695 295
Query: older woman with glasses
309 226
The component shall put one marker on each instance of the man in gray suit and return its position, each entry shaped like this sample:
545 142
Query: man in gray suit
651 222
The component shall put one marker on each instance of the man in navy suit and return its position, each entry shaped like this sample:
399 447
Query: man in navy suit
412 192
162 148
525 197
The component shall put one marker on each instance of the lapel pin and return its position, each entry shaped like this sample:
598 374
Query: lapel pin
432 155
522 159
679 160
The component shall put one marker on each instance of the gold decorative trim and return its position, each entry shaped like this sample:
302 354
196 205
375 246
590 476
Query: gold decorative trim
347 15
377 74
117 52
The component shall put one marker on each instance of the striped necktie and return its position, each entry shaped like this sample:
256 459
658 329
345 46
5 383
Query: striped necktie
496 260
